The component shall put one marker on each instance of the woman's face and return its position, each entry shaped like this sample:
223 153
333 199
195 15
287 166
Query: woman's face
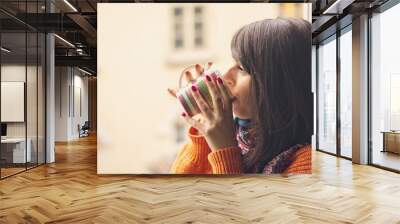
239 83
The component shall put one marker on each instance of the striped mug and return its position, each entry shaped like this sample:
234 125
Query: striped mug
185 96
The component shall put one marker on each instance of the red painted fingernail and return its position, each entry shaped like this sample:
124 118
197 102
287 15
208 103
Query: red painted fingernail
183 114
194 88
208 78
220 80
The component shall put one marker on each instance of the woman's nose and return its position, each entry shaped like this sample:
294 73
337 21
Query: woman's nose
227 74
227 79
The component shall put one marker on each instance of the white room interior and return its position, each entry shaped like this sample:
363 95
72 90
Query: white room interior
71 102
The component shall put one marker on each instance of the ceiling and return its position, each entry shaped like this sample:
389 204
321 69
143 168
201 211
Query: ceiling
76 22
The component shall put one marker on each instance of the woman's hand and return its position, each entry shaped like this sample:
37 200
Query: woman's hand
216 122
189 77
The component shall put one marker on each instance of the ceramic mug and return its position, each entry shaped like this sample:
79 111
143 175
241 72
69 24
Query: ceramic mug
185 95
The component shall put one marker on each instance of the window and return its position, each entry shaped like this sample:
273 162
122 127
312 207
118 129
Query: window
192 36
327 95
198 26
178 28
394 101
385 89
314 90
346 92
335 94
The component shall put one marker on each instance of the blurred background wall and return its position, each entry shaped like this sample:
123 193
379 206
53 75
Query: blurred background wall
139 125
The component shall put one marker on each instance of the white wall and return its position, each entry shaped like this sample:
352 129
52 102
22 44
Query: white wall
50 94
80 103
136 117
69 84
61 103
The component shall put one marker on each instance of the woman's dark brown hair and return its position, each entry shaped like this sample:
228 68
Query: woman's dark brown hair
277 54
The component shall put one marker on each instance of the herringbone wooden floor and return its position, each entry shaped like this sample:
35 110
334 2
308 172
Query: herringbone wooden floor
70 191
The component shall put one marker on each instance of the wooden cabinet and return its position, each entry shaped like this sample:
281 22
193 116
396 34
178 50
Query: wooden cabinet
391 142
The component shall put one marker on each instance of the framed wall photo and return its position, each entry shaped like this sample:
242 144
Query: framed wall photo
150 124
12 101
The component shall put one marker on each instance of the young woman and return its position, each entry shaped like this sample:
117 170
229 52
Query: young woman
261 118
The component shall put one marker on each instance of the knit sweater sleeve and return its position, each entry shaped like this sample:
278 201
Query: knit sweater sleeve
302 163
226 161
192 159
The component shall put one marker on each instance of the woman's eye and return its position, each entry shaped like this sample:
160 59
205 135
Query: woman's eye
240 67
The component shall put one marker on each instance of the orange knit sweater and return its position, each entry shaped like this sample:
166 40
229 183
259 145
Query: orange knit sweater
197 158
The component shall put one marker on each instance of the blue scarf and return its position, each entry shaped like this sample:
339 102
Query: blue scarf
244 134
